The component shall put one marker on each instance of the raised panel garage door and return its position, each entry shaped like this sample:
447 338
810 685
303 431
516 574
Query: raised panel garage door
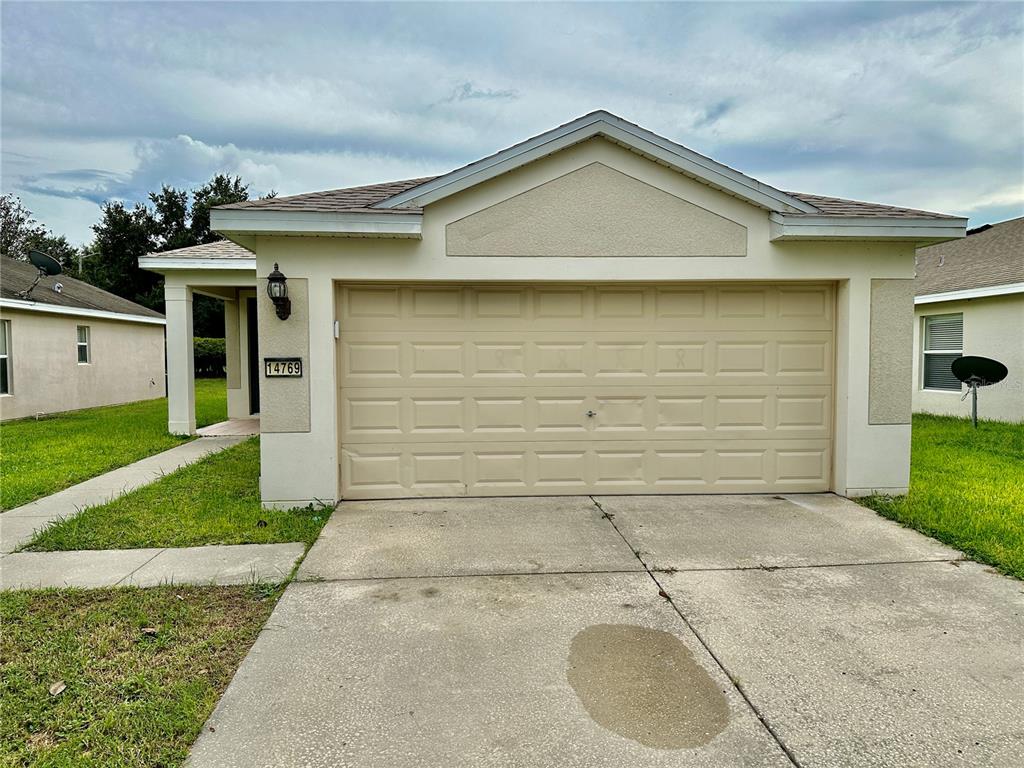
496 389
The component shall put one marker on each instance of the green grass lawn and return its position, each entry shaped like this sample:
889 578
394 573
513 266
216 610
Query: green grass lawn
966 489
38 458
131 698
214 501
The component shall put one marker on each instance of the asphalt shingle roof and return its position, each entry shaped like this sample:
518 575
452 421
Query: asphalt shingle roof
837 206
347 200
993 256
16 276
219 249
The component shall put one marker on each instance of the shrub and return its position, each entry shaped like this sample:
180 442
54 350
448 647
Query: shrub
210 358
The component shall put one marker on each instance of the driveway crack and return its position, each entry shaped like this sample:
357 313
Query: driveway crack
721 665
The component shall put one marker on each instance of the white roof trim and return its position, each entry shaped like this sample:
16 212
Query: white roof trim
99 314
157 263
866 228
615 128
970 293
259 221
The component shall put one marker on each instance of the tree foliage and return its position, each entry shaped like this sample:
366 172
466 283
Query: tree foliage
172 218
21 233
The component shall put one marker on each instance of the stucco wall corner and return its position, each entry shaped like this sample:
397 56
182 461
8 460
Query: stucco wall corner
891 351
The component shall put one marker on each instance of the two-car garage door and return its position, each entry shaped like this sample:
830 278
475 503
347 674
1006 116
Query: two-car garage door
500 389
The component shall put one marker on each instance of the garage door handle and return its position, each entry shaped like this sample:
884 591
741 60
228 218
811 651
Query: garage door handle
591 414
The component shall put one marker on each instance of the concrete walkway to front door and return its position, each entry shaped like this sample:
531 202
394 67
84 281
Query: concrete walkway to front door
19 525
584 632
222 564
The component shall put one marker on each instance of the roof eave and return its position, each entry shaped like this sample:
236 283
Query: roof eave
60 309
618 130
970 293
897 228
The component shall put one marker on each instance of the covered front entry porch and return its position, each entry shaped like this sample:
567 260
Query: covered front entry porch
241 341
227 272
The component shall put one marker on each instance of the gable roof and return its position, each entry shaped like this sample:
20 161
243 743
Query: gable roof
17 276
395 209
988 257
615 129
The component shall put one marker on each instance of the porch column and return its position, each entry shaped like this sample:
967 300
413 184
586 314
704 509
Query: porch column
238 399
181 374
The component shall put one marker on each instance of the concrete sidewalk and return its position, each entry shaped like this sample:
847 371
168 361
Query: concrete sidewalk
19 525
234 564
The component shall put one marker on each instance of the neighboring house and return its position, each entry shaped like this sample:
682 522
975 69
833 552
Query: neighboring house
969 300
594 310
76 347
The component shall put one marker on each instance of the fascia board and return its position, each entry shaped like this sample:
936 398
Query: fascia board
99 314
970 293
865 228
263 222
155 263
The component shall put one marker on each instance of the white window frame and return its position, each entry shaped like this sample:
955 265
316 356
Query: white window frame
925 351
79 344
5 332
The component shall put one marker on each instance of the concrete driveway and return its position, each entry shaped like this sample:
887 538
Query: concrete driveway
629 631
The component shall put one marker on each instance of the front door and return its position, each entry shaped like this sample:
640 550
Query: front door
254 357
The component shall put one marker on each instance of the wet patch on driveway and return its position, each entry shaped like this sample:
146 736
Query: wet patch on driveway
644 684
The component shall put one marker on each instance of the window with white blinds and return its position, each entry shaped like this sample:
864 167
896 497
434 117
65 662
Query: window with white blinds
943 343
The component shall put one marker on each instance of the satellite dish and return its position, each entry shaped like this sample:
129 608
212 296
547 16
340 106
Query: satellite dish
977 372
46 265
982 371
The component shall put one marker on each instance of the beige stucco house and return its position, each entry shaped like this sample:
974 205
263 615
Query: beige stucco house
71 345
969 300
595 309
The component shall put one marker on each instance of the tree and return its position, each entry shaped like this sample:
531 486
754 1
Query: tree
222 189
174 218
112 261
20 233
18 228
170 215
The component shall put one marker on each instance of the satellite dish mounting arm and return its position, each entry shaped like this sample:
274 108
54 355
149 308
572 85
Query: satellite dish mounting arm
46 266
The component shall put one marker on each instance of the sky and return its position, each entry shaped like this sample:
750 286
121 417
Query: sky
916 104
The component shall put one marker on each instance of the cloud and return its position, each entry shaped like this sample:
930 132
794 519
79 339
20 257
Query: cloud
873 100
467 90
185 162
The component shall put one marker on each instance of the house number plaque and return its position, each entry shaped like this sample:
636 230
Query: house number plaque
275 367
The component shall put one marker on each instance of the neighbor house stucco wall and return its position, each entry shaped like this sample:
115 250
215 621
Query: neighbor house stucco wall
300 467
993 327
126 363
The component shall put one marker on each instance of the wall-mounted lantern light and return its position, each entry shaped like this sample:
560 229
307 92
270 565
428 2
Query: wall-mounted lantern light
277 290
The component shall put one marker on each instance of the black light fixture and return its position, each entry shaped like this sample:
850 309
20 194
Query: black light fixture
277 290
